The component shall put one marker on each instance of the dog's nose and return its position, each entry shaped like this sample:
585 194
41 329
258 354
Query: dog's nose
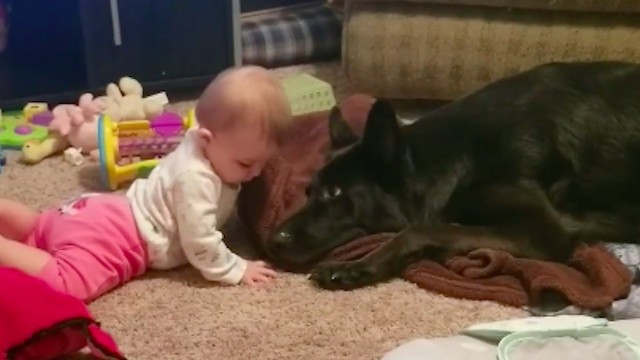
281 238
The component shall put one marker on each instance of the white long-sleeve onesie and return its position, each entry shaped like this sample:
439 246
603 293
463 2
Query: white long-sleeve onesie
179 210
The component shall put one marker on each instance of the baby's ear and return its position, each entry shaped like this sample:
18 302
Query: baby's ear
203 136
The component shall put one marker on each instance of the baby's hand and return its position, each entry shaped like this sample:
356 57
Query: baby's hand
258 273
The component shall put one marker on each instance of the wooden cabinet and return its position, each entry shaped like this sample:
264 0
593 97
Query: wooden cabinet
59 49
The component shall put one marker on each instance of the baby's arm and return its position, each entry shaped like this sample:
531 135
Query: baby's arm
196 197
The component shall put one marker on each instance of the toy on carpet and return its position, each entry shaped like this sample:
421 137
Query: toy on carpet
77 126
16 128
131 149
125 102
73 125
31 110
594 278
73 156
34 151
39 322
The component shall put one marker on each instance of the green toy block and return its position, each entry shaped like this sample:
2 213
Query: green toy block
308 94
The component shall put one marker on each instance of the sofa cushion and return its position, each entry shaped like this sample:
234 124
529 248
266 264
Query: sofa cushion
292 36
630 6
462 48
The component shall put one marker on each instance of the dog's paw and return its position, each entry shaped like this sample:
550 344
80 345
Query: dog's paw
343 276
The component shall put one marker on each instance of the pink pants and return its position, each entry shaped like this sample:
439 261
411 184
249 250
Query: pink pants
94 242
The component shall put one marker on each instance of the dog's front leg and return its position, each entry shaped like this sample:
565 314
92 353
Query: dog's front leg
380 265
432 242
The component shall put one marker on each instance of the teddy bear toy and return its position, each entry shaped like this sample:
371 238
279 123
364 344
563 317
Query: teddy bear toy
125 102
77 125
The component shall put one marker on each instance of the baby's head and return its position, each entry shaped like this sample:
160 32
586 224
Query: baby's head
242 115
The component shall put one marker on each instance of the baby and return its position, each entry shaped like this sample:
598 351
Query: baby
96 242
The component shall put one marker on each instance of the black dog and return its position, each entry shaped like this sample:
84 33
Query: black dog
533 164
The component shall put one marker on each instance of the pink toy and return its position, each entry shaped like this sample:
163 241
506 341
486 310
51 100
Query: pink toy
79 123
38 322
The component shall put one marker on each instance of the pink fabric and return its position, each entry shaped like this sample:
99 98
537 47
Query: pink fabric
40 323
94 242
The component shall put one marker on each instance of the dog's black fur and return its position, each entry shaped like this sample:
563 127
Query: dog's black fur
533 164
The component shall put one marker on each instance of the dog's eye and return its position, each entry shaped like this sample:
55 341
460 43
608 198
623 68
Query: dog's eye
331 192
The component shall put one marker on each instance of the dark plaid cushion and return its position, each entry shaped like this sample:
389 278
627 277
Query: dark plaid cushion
292 36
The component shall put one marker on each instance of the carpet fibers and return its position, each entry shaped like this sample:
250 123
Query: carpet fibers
177 315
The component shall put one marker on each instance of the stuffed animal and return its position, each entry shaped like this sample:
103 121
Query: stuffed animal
77 125
125 102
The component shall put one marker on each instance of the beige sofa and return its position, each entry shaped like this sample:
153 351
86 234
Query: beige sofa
442 49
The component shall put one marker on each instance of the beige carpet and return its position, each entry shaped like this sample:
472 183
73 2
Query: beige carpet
176 315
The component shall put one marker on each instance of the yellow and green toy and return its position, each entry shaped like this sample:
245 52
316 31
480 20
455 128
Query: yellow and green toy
131 149
19 127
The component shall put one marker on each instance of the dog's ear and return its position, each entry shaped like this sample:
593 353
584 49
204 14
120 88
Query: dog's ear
381 140
340 132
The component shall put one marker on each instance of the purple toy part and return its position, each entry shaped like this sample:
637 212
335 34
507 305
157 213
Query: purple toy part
23 130
42 119
167 124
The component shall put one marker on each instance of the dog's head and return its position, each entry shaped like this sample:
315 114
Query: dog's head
358 192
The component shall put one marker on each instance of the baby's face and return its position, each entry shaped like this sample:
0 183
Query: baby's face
239 154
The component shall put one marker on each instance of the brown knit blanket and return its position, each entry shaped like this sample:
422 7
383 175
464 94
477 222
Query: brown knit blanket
593 279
